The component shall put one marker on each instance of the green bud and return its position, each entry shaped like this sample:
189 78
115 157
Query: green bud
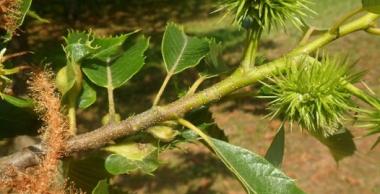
163 132
106 119
69 81
132 150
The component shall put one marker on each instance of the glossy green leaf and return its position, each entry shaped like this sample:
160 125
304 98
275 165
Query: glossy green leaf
18 102
327 12
340 144
101 188
254 172
117 73
180 51
372 6
87 96
275 153
108 47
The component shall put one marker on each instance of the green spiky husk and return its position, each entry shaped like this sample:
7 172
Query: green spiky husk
370 119
267 13
313 94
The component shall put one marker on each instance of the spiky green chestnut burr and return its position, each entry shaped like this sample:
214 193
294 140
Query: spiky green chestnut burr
312 93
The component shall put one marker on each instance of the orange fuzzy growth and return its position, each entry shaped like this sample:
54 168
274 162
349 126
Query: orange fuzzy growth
9 14
48 105
43 179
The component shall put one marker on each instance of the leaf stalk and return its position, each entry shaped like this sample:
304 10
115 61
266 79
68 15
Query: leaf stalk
196 84
111 105
162 89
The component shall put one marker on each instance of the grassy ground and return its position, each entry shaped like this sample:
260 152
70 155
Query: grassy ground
193 169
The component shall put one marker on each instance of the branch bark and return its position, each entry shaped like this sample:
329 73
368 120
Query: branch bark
240 78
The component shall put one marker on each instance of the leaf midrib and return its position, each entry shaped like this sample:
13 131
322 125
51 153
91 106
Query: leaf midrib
232 168
176 63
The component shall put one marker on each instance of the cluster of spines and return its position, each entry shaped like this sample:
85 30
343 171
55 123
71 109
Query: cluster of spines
312 93
266 13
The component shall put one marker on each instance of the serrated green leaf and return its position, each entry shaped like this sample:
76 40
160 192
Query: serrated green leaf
101 188
119 72
108 47
87 96
180 51
372 6
78 45
18 102
275 153
74 37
